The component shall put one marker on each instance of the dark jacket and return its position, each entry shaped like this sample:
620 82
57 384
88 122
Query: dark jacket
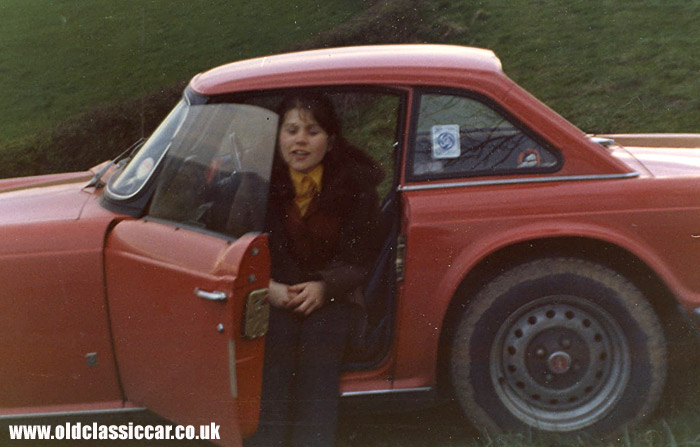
335 241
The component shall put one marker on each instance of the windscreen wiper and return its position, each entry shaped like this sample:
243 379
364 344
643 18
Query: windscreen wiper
96 180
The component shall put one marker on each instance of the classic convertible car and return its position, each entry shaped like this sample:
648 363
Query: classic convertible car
527 269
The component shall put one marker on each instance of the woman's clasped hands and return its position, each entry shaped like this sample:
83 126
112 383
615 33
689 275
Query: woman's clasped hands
302 298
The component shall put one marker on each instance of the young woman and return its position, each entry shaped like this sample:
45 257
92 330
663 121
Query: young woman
323 209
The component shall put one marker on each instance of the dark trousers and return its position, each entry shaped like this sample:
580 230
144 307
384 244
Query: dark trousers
303 357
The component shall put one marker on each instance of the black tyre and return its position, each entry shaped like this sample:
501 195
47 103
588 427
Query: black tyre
558 345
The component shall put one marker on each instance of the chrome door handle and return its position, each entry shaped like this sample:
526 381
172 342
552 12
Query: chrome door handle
212 296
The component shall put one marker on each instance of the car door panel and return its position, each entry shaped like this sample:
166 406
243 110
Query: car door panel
181 353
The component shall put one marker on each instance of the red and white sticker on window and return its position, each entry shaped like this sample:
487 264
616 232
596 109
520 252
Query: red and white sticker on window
529 158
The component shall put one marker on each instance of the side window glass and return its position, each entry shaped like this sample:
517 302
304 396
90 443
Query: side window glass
369 120
216 172
458 136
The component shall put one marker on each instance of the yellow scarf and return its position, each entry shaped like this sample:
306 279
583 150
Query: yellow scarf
306 186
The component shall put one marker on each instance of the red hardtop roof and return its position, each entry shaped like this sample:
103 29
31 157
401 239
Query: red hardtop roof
370 64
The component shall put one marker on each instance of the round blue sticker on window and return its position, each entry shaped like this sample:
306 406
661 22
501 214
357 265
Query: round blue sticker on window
445 141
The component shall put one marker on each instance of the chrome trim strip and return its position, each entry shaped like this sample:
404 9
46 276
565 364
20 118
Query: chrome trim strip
566 178
232 378
389 391
605 142
4 417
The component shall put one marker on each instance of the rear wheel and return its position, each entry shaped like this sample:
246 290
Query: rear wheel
558 345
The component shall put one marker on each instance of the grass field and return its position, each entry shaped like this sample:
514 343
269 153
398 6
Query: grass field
606 65
62 57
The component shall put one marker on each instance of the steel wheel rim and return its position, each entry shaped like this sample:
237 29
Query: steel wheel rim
560 363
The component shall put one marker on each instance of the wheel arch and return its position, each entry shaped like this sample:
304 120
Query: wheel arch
591 249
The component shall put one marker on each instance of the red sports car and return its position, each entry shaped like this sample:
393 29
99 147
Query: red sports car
528 269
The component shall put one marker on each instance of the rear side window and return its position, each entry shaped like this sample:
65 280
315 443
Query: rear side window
458 136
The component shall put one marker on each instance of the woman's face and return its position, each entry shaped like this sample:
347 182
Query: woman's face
302 141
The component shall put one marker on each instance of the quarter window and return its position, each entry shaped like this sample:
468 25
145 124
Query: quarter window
457 136
134 176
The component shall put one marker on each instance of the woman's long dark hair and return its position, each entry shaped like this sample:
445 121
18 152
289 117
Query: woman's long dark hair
342 159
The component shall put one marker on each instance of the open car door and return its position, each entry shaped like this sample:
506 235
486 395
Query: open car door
187 284
187 319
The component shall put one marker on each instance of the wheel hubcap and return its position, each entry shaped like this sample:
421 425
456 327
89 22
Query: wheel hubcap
560 363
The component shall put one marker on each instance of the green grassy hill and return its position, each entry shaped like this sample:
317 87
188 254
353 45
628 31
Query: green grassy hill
83 79
606 65
62 57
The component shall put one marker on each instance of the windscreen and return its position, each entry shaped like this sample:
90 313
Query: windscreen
211 166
